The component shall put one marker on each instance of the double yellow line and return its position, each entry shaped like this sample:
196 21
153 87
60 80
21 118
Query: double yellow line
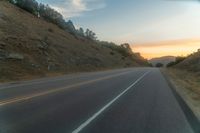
27 97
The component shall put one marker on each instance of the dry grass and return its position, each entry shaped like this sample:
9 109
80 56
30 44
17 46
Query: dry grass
188 86
191 63
23 33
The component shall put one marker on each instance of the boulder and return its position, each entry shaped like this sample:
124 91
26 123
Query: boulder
16 56
42 45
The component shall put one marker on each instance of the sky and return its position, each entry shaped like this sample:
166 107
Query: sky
142 23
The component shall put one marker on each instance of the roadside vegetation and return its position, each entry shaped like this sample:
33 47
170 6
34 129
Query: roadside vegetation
185 74
178 60
49 14
36 41
159 65
187 84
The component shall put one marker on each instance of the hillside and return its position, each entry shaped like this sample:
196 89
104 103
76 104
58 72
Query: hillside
31 47
186 77
191 63
164 60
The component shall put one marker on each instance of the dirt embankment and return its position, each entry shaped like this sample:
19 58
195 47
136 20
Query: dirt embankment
187 84
31 47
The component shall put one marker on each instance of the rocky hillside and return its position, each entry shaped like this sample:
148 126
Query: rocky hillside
191 63
31 47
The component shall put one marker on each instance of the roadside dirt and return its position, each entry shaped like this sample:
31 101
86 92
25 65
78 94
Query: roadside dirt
187 84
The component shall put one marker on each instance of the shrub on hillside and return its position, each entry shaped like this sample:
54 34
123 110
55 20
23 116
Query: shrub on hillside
51 15
28 5
171 64
177 61
123 49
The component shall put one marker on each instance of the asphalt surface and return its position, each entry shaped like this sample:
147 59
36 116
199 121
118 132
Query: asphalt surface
134 100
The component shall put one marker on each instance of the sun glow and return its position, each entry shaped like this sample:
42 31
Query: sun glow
165 48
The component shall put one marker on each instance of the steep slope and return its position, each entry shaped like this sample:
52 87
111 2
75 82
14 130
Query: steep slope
164 60
191 63
31 47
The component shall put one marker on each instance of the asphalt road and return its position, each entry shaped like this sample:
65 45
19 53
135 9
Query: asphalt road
135 100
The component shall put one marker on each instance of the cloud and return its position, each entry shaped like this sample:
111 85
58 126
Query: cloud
74 8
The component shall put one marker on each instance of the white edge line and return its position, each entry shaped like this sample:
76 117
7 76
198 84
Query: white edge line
87 122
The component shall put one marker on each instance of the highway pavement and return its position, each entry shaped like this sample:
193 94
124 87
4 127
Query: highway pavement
132 100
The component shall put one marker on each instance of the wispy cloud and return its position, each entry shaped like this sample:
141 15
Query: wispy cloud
74 8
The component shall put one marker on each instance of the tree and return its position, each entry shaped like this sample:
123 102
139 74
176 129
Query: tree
178 60
127 47
81 32
28 5
51 15
159 65
171 64
90 35
87 32
12 1
70 27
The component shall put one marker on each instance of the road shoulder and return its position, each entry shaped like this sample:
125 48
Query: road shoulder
190 106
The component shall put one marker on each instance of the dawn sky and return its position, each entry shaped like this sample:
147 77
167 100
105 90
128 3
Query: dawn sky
134 21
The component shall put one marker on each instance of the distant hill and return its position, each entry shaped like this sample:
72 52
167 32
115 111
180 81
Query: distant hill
31 47
191 63
164 60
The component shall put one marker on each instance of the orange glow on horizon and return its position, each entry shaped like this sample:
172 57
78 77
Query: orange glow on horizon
167 48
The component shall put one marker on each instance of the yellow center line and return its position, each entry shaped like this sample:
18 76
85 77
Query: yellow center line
27 97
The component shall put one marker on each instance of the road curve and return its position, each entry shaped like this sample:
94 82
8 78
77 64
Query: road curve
133 100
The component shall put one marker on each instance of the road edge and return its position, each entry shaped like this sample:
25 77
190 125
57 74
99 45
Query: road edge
190 115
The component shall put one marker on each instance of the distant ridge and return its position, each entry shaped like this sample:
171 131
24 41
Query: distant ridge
164 60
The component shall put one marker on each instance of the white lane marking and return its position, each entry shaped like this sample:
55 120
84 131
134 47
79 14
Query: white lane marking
87 122
27 97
